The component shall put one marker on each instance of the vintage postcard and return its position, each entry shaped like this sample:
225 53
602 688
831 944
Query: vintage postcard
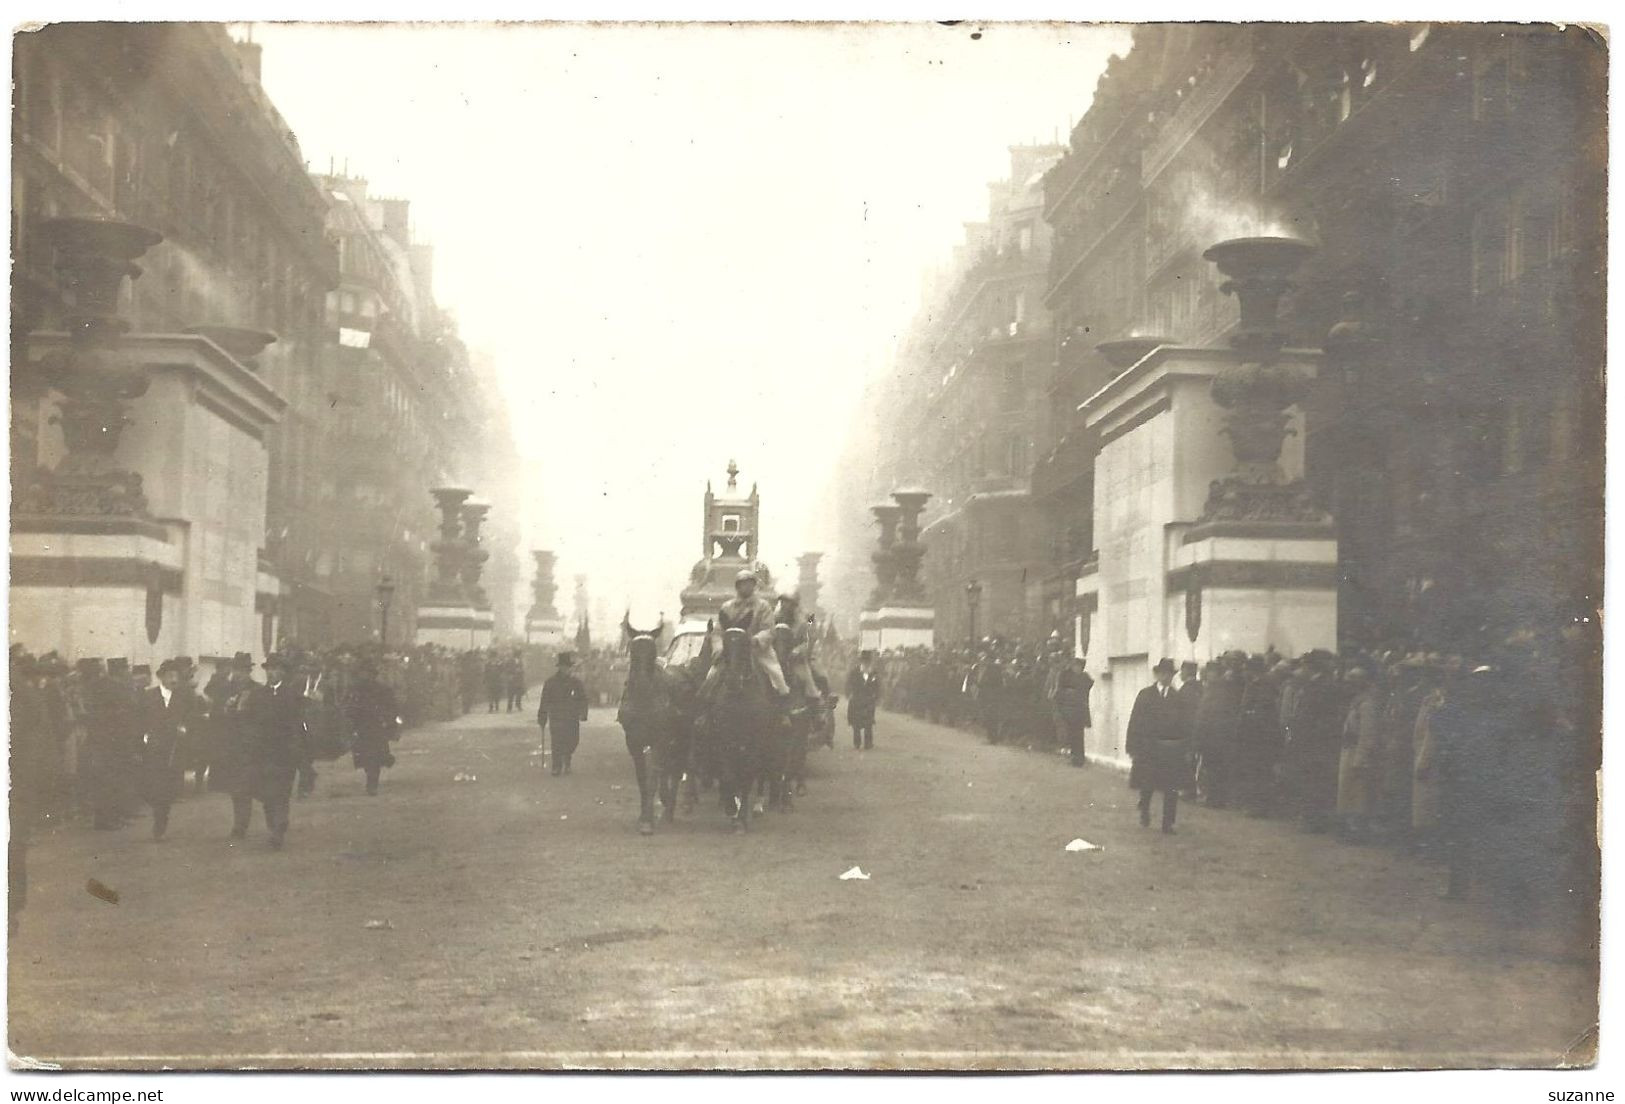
1147 612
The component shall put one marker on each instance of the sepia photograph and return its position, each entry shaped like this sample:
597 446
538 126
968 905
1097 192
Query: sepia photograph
1148 607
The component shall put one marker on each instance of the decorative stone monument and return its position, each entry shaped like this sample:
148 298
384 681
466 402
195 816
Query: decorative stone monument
1208 538
474 558
447 616
543 625
731 543
899 614
135 531
808 587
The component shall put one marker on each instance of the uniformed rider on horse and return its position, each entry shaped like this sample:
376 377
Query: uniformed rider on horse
755 616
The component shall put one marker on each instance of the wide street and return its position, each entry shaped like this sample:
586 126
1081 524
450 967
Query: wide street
517 919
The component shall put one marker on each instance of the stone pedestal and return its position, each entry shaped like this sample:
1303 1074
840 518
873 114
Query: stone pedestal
181 576
897 627
1189 567
447 617
482 628
456 627
543 625
545 631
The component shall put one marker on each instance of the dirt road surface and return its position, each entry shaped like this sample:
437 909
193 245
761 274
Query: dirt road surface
518 919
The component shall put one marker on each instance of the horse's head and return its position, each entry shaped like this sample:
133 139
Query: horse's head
735 649
643 645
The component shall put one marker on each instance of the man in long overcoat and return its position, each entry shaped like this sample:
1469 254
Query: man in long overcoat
374 717
168 712
109 719
862 695
563 709
268 730
1159 744
1072 709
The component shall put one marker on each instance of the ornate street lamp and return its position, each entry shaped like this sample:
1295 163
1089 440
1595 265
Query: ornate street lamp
973 599
386 595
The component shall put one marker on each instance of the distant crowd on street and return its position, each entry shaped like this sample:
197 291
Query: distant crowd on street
98 740
1484 762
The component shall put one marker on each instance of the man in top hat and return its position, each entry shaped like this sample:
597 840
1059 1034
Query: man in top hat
168 712
269 728
862 695
563 709
1159 743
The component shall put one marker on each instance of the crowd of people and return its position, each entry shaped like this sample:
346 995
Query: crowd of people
1484 763
99 739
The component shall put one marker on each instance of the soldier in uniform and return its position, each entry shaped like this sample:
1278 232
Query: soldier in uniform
800 665
168 712
373 717
563 709
753 614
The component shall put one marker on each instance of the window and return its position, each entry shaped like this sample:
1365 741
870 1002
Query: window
730 523
1024 239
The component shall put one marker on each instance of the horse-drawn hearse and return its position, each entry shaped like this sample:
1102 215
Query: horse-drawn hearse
704 714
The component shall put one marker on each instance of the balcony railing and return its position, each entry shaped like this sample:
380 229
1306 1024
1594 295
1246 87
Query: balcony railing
1228 71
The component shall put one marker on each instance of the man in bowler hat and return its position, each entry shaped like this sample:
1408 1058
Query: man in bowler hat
563 709
1159 744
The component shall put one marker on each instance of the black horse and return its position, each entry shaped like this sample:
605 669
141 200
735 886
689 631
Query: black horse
738 723
650 716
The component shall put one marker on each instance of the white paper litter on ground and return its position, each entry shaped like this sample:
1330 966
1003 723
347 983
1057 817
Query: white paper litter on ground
856 874
378 925
1083 845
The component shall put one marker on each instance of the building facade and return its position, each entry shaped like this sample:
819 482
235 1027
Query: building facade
166 126
958 415
1451 178
409 407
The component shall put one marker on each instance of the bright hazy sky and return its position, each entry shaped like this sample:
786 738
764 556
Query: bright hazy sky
681 243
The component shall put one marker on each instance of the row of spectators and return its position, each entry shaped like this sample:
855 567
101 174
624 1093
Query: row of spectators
74 744
1485 763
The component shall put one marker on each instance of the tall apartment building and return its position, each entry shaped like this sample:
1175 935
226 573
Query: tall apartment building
1452 178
